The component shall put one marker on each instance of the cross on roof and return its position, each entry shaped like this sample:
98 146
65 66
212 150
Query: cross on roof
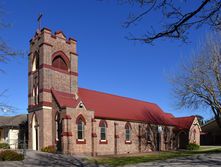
39 21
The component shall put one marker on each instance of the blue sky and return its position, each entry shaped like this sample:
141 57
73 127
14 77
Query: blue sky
107 61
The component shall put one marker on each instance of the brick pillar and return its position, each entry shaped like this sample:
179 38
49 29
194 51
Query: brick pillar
45 128
116 136
162 142
30 131
139 138
66 134
93 137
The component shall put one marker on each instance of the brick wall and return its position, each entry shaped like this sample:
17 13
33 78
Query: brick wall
69 125
194 132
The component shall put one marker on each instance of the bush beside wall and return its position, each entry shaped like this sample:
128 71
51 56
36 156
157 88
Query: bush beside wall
193 146
4 146
49 149
9 155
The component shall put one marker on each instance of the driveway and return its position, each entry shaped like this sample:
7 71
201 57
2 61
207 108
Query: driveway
201 160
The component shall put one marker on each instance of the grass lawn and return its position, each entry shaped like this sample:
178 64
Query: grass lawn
127 159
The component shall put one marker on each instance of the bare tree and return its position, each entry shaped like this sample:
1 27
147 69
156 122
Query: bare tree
200 119
148 135
199 83
6 53
176 18
4 107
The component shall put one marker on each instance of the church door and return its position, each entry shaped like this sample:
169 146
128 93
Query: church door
183 140
158 141
58 123
36 131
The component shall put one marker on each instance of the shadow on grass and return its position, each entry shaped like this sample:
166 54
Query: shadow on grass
125 160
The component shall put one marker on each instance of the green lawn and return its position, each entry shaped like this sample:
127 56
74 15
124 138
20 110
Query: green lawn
124 160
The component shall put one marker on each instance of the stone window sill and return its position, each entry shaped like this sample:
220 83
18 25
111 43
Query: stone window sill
103 142
128 142
80 141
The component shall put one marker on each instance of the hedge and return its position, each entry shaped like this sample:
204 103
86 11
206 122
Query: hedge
9 155
193 146
4 146
49 149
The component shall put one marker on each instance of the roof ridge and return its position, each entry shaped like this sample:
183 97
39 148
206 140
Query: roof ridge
14 117
121 96
192 116
123 108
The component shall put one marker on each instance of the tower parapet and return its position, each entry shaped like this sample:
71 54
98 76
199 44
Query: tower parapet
57 62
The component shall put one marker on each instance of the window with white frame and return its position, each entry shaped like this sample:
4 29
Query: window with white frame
127 132
80 129
103 131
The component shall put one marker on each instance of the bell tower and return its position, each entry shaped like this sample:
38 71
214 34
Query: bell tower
52 65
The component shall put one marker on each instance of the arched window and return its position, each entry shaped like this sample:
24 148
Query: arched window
80 127
166 134
148 133
127 132
33 92
35 62
57 119
58 62
35 95
103 127
194 135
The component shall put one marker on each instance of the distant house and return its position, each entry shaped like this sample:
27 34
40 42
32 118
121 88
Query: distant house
12 129
211 134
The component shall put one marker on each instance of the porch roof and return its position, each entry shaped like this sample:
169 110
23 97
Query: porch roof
12 121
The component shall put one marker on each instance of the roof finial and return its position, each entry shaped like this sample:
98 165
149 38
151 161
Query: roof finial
39 21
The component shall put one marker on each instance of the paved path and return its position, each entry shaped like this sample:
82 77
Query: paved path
39 159
201 160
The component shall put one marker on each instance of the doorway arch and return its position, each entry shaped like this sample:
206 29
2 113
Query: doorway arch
183 140
35 134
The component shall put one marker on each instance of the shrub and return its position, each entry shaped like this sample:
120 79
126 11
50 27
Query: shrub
49 149
193 146
4 146
9 155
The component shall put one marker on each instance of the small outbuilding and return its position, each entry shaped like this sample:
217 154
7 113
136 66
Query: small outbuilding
211 134
13 130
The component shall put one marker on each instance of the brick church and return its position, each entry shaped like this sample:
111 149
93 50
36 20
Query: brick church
82 121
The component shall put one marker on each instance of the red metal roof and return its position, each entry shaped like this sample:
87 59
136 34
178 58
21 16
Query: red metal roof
169 115
183 122
65 99
108 106
122 108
